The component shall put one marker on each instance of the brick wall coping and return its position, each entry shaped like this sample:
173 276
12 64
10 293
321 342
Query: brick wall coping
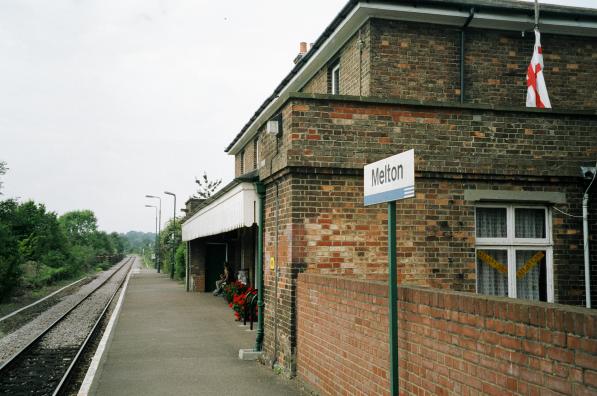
565 318
358 171
376 288
423 104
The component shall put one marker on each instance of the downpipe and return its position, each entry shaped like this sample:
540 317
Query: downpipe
276 269
585 233
260 284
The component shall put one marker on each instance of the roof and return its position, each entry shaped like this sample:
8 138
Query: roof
505 14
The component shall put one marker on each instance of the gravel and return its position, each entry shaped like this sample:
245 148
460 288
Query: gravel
12 343
20 319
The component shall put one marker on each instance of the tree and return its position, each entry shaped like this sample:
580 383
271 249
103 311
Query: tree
3 170
118 243
135 241
40 237
180 258
10 272
206 187
80 226
170 240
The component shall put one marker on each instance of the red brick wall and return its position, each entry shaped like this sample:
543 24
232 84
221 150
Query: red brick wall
279 291
342 335
450 343
415 61
419 61
349 134
355 67
197 264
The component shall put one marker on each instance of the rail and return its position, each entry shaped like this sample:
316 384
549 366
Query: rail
12 362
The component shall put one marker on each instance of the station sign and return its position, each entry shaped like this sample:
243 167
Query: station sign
390 179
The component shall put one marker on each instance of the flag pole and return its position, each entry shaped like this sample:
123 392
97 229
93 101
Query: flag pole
536 14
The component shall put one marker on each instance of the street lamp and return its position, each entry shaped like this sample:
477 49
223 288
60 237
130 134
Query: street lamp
173 234
159 258
156 233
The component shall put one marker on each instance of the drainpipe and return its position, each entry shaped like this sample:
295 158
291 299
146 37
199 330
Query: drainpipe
585 234
276 276
187 266
466 23
259 270
591 173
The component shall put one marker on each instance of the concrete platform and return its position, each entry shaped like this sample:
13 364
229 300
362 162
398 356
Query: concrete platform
170 342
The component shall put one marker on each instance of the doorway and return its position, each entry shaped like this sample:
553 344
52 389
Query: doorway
216 256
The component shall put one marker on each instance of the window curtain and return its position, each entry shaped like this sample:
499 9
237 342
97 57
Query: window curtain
490 280
528 285
529 223
491 223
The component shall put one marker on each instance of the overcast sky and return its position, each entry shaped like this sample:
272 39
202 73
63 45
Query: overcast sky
104 101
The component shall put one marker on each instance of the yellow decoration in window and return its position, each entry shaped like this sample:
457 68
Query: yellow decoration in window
487 259
522 271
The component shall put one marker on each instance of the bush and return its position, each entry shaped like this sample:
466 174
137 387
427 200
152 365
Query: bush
240 301
238 294
180 256
54 259
82 259
103 265
10 272
37 275
9 275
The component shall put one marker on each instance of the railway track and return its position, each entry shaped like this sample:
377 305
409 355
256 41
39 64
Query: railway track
43 365
22 316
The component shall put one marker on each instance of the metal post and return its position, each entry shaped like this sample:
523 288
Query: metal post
259 268
536 14
173 234
159 232
393 299
156 245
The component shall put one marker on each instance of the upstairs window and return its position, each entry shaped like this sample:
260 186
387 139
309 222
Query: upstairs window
514 251
255 153
335 78
242 162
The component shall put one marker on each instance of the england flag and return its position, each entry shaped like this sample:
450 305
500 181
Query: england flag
536 89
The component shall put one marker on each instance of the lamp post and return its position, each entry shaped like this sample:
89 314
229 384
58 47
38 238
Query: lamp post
156 234
173 233
159 232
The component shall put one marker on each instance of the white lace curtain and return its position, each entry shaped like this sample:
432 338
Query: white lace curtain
492 223
527 286
490 280
529 223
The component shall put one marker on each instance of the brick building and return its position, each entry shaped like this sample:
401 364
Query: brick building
447 79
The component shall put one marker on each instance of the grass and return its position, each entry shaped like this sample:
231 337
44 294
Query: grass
29 296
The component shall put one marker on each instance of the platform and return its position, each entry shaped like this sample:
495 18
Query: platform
170 342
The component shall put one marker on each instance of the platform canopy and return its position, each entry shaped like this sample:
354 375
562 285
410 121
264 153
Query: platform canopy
232 209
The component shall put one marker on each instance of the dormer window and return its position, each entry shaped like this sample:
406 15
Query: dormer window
255 153
335 75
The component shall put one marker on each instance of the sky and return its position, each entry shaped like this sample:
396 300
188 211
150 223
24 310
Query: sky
105 101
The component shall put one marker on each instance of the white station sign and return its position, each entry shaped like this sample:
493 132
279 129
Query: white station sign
390 179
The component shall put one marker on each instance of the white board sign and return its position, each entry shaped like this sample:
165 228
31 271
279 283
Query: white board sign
390 179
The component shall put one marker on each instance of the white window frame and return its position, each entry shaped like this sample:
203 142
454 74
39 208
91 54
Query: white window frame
511 244
336 81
